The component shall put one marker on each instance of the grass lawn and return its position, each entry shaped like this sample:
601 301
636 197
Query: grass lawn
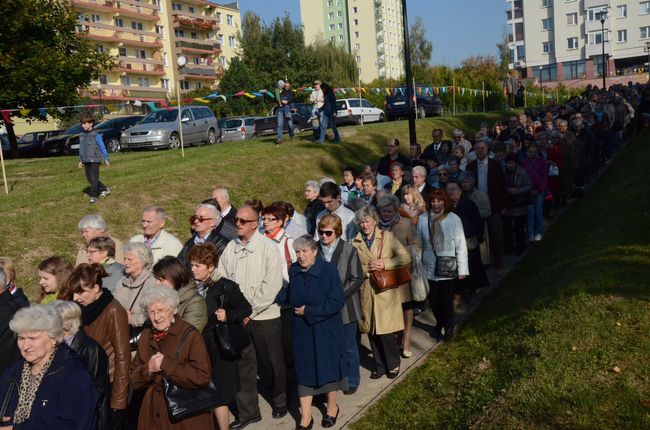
40 215
564 341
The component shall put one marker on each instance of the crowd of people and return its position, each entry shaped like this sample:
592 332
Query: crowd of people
163 334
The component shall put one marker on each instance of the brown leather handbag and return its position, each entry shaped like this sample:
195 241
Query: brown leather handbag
387 279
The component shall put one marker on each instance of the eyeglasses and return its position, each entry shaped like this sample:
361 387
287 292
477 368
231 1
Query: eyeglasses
268 220
326 233
154 313
243 221
195 218
92 251
443 174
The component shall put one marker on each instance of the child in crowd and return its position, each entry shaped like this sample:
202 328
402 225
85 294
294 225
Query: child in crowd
91 152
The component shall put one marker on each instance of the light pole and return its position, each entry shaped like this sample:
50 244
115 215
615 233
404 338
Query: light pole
101 104
647 49
603 17
358 57
409 76
180 61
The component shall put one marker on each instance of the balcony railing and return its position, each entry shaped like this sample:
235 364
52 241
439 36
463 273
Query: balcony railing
200 23
216 46
149 69
122 8
514 14
515 37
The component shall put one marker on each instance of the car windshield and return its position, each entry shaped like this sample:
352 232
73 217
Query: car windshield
75 129
160 116
232 123
107 124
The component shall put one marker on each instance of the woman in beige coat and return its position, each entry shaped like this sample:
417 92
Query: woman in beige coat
381 311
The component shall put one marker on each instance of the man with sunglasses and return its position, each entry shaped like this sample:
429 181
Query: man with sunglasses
204 224
254 263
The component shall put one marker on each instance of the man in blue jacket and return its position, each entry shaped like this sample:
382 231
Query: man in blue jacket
91 152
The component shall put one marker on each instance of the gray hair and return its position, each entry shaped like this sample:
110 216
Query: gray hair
223 192
444 167
70 315
3 279
388 200
305 241
466 177
160 212
367 211
159 294
485 140
38 318
325 181
457 132
143 253
421 169
313 185
93 221
211 208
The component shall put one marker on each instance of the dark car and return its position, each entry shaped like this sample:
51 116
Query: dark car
397 106
267 125
4 142
56 145
31 144
110 130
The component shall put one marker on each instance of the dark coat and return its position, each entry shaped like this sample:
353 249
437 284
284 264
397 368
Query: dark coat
311 211
496 184
329 107
226 227
346 260
384 163
230 216
216 238
473 224
431 153
318 337
66 398
9 305
191 370
399 193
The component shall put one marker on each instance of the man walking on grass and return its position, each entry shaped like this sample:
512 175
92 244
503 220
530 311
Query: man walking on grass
91 152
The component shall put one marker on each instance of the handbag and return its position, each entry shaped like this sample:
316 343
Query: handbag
187 402
7 399
446 267
419 283
136 332
553 170
231 339
385 279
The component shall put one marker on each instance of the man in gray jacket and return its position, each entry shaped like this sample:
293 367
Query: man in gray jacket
91 152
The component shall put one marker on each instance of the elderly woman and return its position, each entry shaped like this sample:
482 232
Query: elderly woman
395 186
316 295
171 272
369 187
225 304
49 387
444 257
173 349
137 278
102 250
53 273
344 256
92 354
404 231
381 310
314 205
92 226
412 203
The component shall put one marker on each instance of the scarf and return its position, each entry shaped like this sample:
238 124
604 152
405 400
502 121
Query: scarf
437 235
158 335
388 225
92 311
28 387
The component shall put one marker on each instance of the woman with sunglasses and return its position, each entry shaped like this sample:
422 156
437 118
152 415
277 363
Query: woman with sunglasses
333 249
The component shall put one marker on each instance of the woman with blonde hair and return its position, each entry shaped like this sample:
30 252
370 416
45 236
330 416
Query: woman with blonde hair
412 203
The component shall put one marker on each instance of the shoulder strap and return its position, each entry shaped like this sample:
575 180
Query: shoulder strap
136 297
182 342
381 244
7 399
287 254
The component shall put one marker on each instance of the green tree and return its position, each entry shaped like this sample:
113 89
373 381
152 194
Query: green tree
421 49
43 61
504 52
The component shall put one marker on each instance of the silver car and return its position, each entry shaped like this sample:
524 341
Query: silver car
160 129
239 128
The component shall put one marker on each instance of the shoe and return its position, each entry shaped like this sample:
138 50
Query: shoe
406 354
328 420
104 193
309 427
93 200
278 142
240 424
350 391
375 375
437 333
538 237
279 413
393 373
449 333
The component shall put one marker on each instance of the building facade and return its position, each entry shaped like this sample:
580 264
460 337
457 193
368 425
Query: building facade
559 40
371 30
146 37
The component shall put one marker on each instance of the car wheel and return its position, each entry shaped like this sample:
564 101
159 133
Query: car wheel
422 113
174 141
114 145
382 117
212 137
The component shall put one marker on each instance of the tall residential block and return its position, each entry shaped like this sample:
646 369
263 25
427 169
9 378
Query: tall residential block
146 37
559 40
371 30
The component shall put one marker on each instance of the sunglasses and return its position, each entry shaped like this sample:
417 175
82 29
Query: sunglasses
269 219
326 233
195 218
243 221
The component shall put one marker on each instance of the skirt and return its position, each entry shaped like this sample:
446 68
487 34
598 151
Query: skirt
304 390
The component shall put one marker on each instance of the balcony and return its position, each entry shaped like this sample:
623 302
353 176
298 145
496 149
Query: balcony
117 91
127 39
96 27
120 8
155 60
517 37
198 48
140 69
597 50
200 23
514 14
197 71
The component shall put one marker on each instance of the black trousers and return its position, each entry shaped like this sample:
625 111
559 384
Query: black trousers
514 231
441 300
266 347
495 229
385 352
92 175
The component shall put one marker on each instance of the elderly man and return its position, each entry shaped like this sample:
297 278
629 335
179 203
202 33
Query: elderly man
222 197
254 263
490 179
392 157
434 149
92 226
459 139
419 178
154 237
330 196
204 222
9 304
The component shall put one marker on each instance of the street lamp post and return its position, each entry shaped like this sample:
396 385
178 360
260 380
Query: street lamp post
647 49
357 58
603 17
180 61
409 76
101 104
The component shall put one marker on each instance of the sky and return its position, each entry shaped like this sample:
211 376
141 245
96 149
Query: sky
457 28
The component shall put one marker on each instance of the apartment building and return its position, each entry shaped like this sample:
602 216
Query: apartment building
371 30
229 17
146 37
558 40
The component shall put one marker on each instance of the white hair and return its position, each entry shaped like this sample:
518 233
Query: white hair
421 169
214 212
159 294
70 315
305 241
93 221
37 318
325 181
223 192
160 212
313 185
143 253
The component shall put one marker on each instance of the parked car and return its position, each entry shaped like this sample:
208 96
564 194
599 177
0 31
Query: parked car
397 106
352 111
4 143
56 145
110 131
160 129
32 144
268 125
238 128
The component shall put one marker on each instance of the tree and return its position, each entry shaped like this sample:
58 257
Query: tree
504 52
420 49
43 61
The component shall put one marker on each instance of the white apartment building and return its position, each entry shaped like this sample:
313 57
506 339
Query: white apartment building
558 40
371 30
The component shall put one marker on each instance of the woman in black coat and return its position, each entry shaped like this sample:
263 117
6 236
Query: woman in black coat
226 304
328 114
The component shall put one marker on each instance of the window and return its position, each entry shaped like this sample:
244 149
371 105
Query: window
357 46
621 36
103 79
143 82
190 9
179 33
165 83
165 59
546 73
572 43
572 18
573 69
220 38
340 38
644 8
193 35
140 53
594 13
330 3
125 80
547 24
219 17
547 47
95 18
159 29
330 15
340 26
196 60
354 9
122 52
118 22
198 85
621 11
100 49
231 41
222 60
184 86
339 14
136 25
547 3
356 22
333 39
230 20
177 6
356 34
332 27
358 58
596 38
645 32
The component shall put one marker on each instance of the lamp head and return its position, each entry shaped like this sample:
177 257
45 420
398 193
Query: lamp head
181 60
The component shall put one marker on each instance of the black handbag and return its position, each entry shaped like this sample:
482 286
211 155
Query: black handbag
232 339
187 402
446 267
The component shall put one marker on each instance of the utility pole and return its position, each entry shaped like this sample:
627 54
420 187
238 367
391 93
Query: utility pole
409 76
